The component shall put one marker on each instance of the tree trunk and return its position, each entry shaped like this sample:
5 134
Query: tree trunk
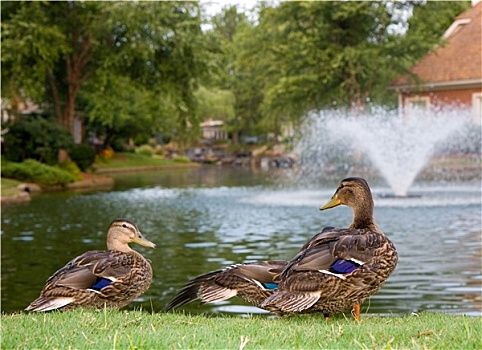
76 75
56 98
236 137
69 113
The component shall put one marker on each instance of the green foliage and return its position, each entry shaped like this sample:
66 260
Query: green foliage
131 160
83 155
145 150
148 80
37 138
72 169
33 171
427 24
330 53
309 55
131 67
181 159
32 45
132 70
9 183
216 104
241 84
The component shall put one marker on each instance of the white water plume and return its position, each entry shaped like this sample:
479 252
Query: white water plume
398 146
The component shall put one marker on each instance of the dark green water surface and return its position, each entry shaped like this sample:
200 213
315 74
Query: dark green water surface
207 218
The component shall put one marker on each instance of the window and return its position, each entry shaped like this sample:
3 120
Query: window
417 104
477 107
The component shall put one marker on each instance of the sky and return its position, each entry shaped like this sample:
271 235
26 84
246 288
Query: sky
213 7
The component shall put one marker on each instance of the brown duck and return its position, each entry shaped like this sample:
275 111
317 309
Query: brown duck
339 268
334 271
111 278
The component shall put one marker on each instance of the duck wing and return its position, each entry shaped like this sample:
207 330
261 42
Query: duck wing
333 252
94 269
253 282
333 246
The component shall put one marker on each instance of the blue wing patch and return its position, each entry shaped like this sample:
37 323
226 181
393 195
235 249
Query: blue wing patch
270 285
343 266
101 283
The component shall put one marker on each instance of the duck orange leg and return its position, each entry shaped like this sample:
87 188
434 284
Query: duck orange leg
356 312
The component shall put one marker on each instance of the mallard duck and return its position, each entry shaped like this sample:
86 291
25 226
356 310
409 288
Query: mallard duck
98 278
339 268
335 270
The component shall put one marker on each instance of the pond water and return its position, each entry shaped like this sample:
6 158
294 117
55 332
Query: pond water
207 218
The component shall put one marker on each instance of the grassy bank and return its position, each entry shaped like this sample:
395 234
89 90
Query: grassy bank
118 163
140 330
9 187
122 161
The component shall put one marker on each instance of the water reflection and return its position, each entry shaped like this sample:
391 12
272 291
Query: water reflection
205 219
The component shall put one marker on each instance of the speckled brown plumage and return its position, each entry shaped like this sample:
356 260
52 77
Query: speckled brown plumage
111 278
311 281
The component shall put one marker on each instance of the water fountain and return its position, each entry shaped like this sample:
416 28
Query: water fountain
332 143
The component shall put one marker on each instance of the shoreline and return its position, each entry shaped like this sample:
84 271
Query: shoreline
89 181
448 169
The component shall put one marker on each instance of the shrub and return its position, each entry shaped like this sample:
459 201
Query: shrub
144 150
72 169
159 151
83 155
106 154
181 159
122 145
34 171
141 139
35 137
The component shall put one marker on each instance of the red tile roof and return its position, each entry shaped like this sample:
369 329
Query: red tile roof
459 59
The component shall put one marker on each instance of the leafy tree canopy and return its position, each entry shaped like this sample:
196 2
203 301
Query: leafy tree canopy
107 61
135 68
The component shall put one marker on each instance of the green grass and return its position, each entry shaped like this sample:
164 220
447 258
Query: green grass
110 329
136 160
9 187
120 162
10 183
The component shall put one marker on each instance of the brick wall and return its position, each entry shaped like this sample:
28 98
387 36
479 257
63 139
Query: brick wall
442 98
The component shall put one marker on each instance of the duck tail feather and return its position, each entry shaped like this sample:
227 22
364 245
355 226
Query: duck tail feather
192 290
43 304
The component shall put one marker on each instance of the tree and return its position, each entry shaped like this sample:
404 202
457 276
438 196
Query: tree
66 52
51 44
241 85
151 76
215 103
311 55
426 25
331 52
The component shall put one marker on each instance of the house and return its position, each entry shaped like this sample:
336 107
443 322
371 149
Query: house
213 130
26 107
451 74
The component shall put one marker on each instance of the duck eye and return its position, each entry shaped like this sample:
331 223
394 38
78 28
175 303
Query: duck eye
124 225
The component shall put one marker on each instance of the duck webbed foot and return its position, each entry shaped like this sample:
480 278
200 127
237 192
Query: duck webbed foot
356 312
